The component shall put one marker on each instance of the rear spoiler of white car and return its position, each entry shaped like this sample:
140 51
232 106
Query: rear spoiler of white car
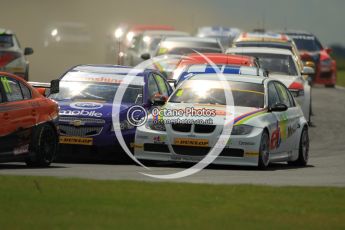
52 87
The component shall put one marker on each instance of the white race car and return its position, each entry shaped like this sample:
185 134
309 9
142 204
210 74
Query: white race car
267 126
12 57
282 65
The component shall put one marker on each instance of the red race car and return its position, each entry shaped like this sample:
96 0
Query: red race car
28 129
315 55
216 58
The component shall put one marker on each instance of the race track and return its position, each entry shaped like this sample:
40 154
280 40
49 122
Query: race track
326 166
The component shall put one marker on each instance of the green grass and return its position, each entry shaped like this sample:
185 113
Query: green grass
51 203
341 78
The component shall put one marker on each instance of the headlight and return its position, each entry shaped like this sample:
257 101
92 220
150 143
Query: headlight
159 126
241 129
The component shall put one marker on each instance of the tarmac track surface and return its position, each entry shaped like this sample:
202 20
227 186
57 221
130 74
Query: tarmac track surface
326 165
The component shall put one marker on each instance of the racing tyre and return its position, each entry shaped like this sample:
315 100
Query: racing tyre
43 147
303 154
264 155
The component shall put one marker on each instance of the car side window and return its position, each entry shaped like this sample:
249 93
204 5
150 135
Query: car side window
283 94
292 101
1 97
162 86
12 89
26 91
152 86
273 97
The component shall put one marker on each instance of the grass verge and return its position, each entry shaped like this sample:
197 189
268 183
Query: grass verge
52 203
341 78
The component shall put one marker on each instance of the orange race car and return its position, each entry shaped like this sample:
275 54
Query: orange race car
28 129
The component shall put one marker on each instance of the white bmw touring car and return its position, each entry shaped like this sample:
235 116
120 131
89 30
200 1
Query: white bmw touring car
267 124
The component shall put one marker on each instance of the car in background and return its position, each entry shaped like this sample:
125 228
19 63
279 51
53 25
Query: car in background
268 126
86 100
282 65
147 42
312 51
224 34
12 57
214 58
28 121
186 45
194 69
261 38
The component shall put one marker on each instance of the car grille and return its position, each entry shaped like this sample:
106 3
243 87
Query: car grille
326 74
228 152
204 128
84 120
190 151
156 148
82 131
182 127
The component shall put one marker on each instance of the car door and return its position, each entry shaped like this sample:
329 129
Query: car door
16 114
289 120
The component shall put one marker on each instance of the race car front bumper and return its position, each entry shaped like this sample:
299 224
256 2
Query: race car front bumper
239 150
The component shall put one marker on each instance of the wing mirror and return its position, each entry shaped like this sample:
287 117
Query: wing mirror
28 51
308 70
280 107
54 86
159 99
145 56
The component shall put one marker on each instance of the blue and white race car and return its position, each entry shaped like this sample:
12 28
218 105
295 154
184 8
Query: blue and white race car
86 100
268 126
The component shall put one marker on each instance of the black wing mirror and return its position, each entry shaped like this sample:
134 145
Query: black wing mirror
54 86
280 107
145 56
28 51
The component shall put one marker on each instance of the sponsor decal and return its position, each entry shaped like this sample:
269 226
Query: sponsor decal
251 154
159 139
80 113
191 142
275 138
21 150
75 140
86 105
137 146
246 143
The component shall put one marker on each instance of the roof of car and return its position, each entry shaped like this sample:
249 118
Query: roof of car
230 77
108 69
237 50
299 32
165 32
258 36
5 31
218 58
191 39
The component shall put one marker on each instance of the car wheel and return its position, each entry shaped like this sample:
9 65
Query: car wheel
264 155
303 153
43 147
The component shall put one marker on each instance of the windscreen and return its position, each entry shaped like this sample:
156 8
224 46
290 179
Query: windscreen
212 92
308 43
275 63
6 41
181 48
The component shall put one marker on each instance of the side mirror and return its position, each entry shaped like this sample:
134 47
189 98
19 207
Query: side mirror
54 86
329 50
280 107
308 70
159 99
145 56
28 51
